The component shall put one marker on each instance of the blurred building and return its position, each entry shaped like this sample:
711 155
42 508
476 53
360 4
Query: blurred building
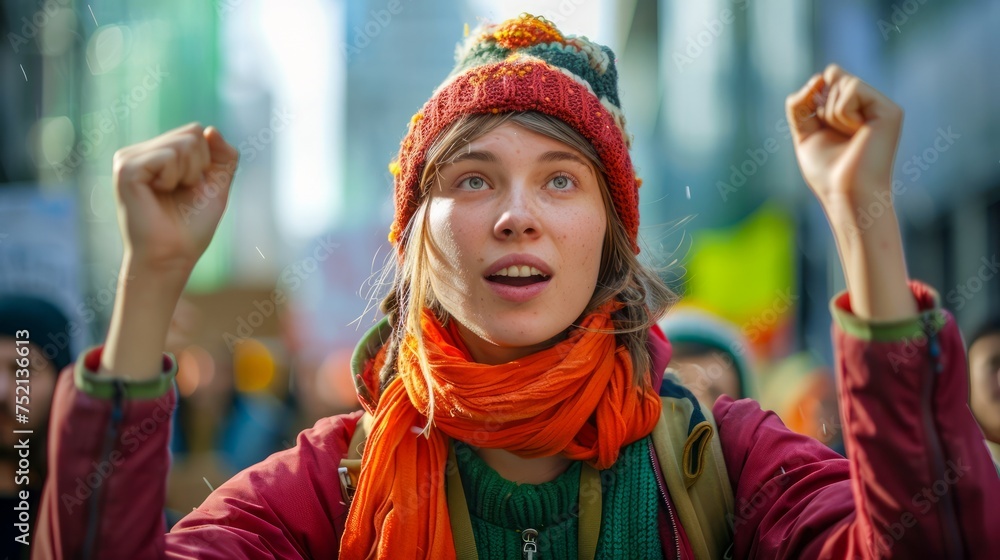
704 87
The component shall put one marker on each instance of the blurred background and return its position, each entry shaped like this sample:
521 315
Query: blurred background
316 95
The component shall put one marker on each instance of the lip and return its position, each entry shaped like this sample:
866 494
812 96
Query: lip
519 259
518 294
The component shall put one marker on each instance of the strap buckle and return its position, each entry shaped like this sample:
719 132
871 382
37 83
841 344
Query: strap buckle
347 484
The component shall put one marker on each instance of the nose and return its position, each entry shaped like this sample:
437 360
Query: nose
518 216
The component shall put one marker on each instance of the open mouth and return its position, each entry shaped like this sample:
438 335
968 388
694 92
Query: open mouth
518 276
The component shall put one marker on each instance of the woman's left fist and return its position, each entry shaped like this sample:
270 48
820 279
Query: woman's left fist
845 135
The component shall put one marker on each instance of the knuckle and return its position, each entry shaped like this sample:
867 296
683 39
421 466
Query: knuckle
852 85
187 148
119 159
842 101
185 141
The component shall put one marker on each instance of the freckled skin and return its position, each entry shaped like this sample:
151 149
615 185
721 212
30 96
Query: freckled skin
515 205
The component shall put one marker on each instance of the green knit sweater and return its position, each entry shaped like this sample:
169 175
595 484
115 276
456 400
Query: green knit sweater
500 509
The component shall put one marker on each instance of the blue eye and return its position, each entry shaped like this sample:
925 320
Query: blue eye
561 183
474 183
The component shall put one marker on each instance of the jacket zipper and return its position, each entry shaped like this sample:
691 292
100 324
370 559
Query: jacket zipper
93 507
530 546
952 535
657 468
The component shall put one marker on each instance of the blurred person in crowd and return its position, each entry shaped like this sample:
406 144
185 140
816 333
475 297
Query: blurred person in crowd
709 355
204 391
519 357
233 409
803 393
32 318
984 381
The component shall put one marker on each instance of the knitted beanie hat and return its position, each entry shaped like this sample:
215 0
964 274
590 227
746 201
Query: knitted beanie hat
689 325
47 325
526 64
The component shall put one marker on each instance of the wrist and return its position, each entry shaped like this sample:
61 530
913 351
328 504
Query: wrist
144 306
858 212
169 274
871 253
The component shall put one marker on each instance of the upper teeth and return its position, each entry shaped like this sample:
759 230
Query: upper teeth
519 271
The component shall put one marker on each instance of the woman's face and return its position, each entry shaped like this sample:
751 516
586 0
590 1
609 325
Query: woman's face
42 374
518 221
984 372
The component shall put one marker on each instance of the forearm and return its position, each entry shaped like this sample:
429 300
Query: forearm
144 305
919 483
923 482
872 258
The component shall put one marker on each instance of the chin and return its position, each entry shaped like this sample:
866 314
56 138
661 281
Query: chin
529 338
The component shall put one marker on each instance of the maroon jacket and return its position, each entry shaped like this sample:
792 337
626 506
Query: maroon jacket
919 483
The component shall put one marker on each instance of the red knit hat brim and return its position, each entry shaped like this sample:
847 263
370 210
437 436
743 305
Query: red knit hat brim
515 85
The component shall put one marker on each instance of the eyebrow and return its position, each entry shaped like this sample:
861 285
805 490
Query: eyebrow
475 156
558 155
490 157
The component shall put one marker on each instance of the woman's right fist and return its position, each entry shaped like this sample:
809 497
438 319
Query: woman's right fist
171 192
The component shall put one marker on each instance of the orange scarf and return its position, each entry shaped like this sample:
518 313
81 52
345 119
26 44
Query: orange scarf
576 398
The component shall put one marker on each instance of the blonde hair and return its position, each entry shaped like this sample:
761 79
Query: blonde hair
644 295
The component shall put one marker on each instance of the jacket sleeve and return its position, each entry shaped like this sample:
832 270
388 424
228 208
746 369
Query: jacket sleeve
288 506
108 463
919 482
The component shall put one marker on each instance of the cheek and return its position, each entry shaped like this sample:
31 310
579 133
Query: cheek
585 235
980 375
453 229
449 242
441 235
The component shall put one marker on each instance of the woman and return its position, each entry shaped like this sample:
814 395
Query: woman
518 339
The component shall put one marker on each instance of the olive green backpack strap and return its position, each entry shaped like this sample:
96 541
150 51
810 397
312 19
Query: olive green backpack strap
349 470
687 445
